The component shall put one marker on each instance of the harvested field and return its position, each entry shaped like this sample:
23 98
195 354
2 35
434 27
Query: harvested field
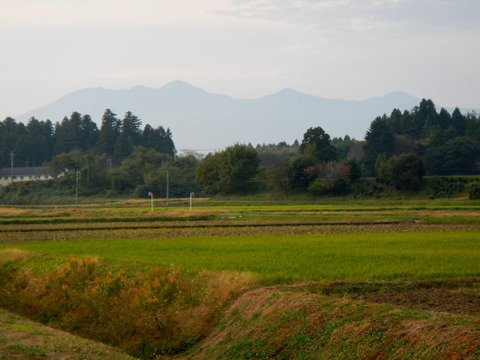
104 231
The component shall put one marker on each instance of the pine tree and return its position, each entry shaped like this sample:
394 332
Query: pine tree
109 132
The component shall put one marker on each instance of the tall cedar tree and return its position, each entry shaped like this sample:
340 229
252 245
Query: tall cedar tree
109 132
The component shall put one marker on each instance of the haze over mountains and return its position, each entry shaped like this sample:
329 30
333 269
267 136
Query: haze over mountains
204 121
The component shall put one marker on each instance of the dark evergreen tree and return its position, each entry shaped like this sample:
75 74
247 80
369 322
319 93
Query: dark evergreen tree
166 144
158 139
40 141
89 133
458 156
131 127
378 140
419 118
68 134
473 126
8 140
123 148
395 122
444 119
149 137
109 132
459 122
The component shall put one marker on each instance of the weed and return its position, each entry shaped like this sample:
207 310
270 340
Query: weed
31 350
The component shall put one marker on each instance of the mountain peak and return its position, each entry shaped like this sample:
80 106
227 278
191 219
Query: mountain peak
202 120
394 96
179 85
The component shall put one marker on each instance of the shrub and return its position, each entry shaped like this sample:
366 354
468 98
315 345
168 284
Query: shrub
474 191
148 311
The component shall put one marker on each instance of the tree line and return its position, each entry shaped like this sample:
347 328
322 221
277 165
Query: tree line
39 141
398 150
120 158
446 144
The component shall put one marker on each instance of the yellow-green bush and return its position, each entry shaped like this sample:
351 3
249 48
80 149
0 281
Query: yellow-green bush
142 312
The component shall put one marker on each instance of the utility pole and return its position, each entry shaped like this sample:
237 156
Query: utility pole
11 165
167 186
77 175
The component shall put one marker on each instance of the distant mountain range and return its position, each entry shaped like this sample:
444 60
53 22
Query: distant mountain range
204 121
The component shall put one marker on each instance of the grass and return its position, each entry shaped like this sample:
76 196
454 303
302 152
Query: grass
278 324
293 258
24 339
112 281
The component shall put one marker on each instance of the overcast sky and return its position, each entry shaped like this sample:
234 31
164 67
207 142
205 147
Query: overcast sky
350 49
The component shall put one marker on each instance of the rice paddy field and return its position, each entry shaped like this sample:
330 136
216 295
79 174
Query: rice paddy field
371 251
279 243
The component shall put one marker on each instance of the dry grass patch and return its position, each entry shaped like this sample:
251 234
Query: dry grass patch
8 255
144 310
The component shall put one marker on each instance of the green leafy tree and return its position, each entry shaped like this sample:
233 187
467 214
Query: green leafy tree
230 171
277 177
405 171
317 145
183 180
239 166
299 179
142 171
330 178
67 163
94 174
207 173
123 148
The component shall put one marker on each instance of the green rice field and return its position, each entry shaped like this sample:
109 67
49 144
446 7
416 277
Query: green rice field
290 258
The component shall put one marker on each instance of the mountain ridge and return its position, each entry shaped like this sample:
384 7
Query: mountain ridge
200 120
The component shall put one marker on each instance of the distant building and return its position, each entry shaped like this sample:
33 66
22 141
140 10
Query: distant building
9 175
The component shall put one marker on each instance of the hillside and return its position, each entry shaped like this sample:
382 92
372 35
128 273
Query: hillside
204 121
294 322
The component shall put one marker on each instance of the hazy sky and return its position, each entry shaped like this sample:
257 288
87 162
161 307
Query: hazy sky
351 49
